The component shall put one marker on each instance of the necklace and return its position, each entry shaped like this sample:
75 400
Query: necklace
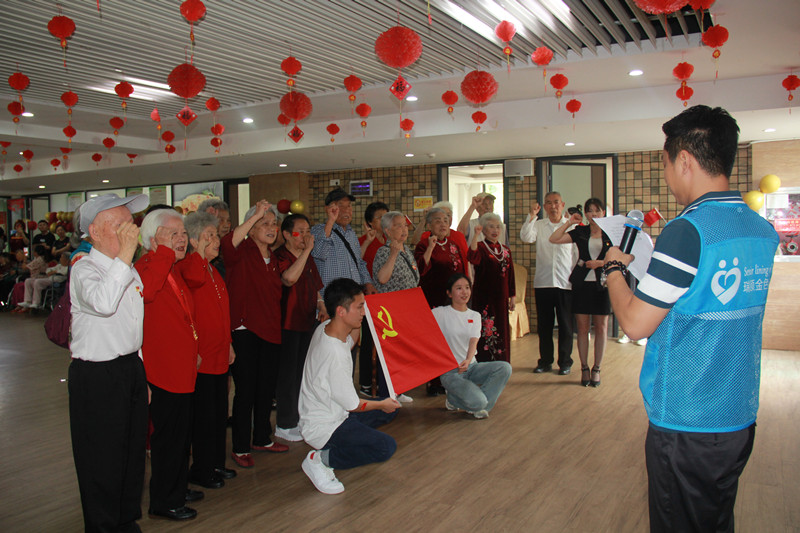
442 244
497 255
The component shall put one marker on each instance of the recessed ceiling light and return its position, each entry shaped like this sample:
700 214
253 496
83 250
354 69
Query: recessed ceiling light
409 155
411 98
20 153
27 114
106 181
635 72
569 144
770 130
247 120
41 186
92 196
283 165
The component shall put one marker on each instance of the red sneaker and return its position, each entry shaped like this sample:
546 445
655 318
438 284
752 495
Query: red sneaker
274 447
244 460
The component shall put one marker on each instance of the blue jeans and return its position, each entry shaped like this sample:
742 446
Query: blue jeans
477 388
355 442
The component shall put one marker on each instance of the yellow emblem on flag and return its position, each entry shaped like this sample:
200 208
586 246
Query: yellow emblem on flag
390 332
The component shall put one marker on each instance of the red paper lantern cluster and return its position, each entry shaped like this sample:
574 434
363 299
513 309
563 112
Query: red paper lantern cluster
398 47
542 56
559 81
699 5
363 111
168 136
28 155
450 98
352 83
217 129
659 7
116 123
55 162
291 66
479 87
790 83
61 28
683 71
97 158
170 149
478 117
70 99
16 109
19 81
296 105
284 120
714 37
505 31
407 125
212 104
684 92
18 168
333 129
186 80
109 143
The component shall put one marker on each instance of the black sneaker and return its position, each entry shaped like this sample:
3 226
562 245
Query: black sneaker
541 369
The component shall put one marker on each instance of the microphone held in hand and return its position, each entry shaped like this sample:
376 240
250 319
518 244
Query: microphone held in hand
633 223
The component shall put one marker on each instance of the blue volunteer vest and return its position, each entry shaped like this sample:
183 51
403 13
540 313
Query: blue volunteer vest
702 366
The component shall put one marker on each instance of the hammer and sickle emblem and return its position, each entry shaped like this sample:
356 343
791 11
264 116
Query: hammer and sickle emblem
388 331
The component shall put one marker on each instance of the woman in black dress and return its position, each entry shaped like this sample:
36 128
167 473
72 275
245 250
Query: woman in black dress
590 300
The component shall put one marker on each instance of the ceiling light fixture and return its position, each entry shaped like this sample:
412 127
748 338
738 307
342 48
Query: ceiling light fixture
409 155
468 20
635 72
411 98
770 130
106 181
283 165
92 196
247 120
27 114
41 186
569 144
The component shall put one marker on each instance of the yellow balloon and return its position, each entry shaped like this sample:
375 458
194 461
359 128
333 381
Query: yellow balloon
754 200
769 183
297 207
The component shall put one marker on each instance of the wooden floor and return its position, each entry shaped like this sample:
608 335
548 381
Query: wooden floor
553 456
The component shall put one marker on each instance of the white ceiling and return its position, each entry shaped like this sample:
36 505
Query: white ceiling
239 47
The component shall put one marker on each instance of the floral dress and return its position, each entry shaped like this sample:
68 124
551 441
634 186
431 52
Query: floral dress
494 285
446 260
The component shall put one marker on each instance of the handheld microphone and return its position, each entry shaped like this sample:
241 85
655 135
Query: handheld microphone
633 223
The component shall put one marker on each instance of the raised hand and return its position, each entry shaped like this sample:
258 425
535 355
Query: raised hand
308 239
333 211
476 202
163 237
535 208
262 206
128 235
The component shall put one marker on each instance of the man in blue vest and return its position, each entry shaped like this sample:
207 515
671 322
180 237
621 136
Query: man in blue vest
702 304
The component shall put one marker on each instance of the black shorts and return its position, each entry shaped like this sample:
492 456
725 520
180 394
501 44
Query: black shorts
590 298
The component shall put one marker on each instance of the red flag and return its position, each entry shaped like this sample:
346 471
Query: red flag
410 345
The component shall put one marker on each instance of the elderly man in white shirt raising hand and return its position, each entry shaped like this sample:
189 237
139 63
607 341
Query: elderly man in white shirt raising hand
551 286
107 387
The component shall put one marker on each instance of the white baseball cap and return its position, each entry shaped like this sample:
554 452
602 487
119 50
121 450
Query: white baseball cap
91 208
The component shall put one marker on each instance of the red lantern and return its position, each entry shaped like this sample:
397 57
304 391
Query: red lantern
18 168
683 71
542 56
131 157
186 80
284 120
28 155
170 149
19 81
684 92
70 132
479 87
284 206
5 144
55 162
109 143
450 98
186 116
659 7
216 142
62 28
352 83
217 129
573 106
505 31
155 116
168 136
123 89
398 47
69 98
559 81
478 117
16 109
407 125
790 83
333 129
291 66
296 105
212 104
715 37
363 111
193 10
97 158
116 123
65 150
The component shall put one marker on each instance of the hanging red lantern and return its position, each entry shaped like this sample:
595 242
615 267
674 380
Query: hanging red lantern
212 104
291 66
186 80
573 106
684 92
284 120
55 162
714 37
70 132
333 129
542 56
363 111
131 157
478 117
559 81
450 98
193 10
170 149
168 136
16 109
123 89
65 151
683 71
186 116
217 129
5 144
407 125
352 83
62 28
69 98
479 87
18 168
398 47
109 143
296 105
97 158
505 31
790 83
216 142
659 7
155 116
28 155
116 123
19 81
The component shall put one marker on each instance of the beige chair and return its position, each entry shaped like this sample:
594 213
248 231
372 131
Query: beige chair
518 318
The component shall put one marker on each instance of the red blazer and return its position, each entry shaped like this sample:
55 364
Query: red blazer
212 312
170 349
254 287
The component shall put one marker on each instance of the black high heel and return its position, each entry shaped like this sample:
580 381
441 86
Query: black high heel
585 372
595 373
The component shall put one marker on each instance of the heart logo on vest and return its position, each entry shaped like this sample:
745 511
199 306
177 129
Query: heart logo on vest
725 283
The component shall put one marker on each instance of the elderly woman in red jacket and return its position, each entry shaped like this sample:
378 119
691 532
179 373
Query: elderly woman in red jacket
254 285
170 355
213 319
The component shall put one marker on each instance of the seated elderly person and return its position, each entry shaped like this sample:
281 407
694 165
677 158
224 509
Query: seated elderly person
213 321
35 286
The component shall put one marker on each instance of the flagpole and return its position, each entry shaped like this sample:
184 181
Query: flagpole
379 349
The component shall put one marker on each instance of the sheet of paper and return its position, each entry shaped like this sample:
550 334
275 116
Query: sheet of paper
614 226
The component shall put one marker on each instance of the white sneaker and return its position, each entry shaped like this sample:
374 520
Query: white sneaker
24 305
483 413
320 475
624 339
291 434
641 342
402 398
449 406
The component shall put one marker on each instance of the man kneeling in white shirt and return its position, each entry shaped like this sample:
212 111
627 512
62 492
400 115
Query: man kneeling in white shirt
333 419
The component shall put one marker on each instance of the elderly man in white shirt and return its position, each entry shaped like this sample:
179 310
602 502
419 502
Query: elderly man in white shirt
107 386
551 286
